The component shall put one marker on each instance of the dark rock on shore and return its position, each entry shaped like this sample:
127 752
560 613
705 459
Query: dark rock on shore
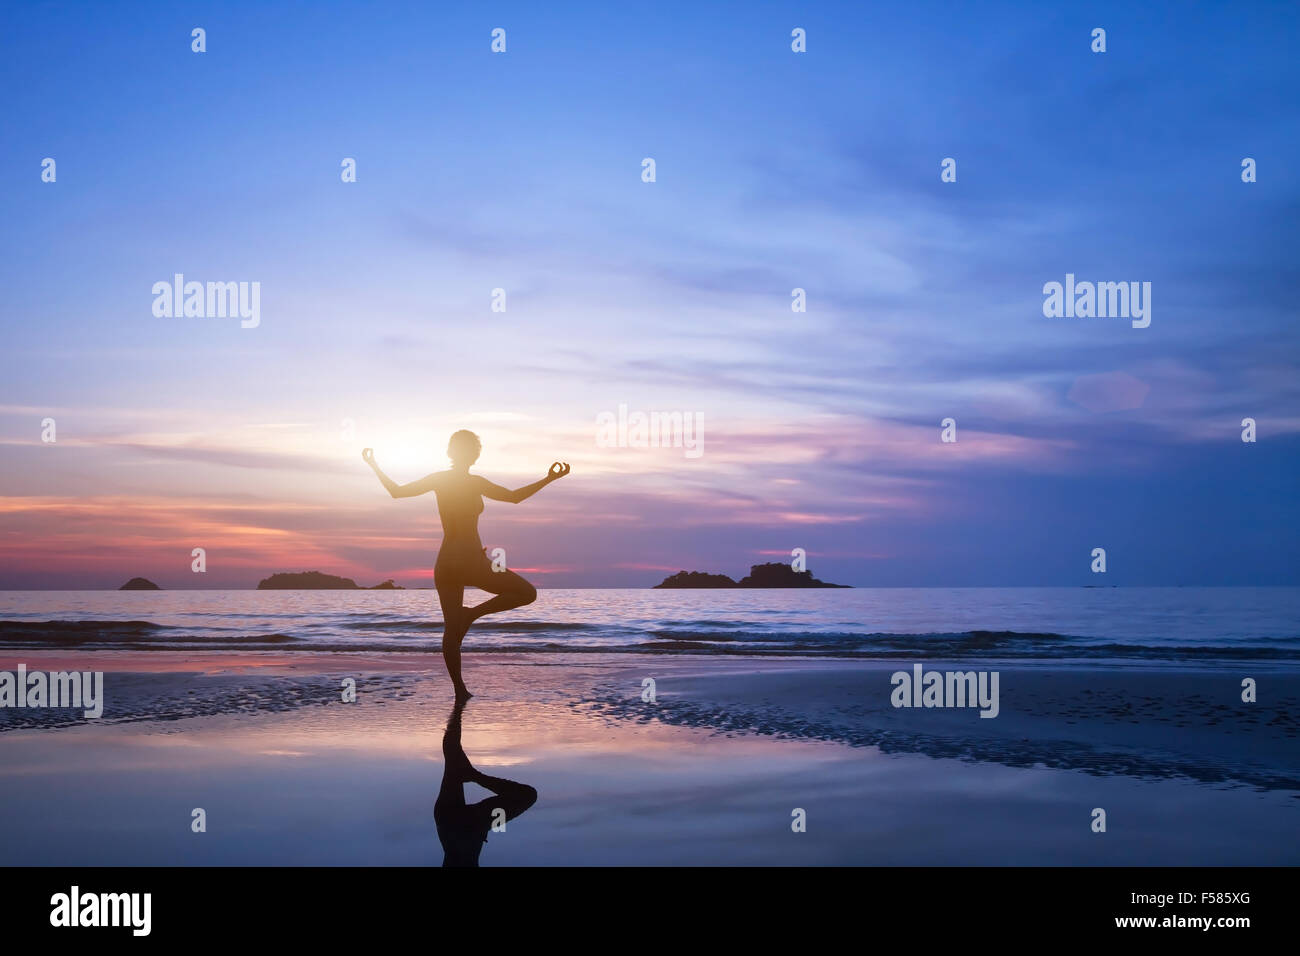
139 584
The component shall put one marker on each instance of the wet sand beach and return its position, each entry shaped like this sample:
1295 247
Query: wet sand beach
713 771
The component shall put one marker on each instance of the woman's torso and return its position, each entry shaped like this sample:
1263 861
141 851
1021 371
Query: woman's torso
459 505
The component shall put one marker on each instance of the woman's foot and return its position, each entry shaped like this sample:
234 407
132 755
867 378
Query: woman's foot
462 693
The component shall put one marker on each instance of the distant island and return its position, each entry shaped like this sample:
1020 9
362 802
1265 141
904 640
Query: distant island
139 584
317 581
697 579
771 575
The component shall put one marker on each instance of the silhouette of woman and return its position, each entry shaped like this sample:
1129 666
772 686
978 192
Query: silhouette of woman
462 559
463 828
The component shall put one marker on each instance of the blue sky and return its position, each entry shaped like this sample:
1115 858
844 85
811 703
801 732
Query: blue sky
775 170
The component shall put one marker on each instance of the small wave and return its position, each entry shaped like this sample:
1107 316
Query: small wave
74 631
434 624
649 638
134 634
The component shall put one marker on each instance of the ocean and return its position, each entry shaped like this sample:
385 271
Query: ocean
1087 625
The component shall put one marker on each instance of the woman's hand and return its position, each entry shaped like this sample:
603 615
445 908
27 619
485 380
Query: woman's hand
558 471
368 456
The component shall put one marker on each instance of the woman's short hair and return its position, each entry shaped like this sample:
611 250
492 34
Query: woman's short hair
463 444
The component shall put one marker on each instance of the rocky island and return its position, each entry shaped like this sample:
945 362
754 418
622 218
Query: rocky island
139 584
697 579
318 581
771 575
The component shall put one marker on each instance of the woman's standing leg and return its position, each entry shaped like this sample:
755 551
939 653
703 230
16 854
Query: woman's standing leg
451 594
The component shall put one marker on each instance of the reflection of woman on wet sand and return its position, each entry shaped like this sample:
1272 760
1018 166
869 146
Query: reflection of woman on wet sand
462 559
462 828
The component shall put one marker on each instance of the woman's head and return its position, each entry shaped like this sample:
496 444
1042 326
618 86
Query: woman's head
463 448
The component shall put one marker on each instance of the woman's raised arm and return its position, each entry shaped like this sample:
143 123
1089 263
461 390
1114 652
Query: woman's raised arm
497 493
409 490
